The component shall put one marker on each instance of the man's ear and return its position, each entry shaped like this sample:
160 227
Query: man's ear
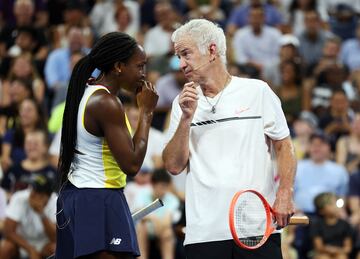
212 50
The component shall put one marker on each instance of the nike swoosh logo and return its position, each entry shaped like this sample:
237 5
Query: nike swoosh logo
238 111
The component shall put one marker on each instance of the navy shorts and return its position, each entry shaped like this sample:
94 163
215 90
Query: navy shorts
227 249
91 220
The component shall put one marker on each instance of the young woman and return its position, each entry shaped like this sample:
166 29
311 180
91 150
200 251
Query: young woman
98 152
31 117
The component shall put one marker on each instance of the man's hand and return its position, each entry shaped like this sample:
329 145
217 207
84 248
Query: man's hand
284 207
188 100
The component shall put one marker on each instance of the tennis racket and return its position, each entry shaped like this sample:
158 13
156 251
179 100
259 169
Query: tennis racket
147 210
251 219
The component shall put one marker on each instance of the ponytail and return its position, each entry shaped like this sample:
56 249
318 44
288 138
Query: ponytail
80 74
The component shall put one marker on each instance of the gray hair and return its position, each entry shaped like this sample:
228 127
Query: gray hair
204 33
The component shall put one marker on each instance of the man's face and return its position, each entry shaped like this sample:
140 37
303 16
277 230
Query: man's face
312 22
339 102
25 41
76 40
23 11
192 62
319 150
256 18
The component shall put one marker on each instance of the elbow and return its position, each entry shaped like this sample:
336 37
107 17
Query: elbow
132 171
174 164
172 168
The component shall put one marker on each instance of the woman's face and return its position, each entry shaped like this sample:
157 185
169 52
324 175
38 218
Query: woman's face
28 113
18 92
35 145
288 73
133 72
22 67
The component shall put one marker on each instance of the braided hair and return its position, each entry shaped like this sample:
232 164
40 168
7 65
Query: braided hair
109 49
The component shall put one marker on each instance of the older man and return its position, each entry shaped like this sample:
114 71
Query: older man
223 130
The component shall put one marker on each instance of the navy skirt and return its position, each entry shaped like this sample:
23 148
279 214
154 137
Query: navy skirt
91 220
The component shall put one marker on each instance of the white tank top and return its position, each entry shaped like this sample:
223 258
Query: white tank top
94 165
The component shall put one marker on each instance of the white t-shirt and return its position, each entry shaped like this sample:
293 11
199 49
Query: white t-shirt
229 151
30 225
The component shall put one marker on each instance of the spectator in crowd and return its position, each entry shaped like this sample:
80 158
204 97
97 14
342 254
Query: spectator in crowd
19 90
330 56
123 21
54 149
240 16
147 11
24 43
31 117
327 7
289 45
331 235
303 127
152 158
297 11
30 223
209 9
22 67
348 147
74 16
352 89
41 13
336 122
169 85
60 90
287 240
320 93
58 65
134 188
312 39
318 174
159 223
343 20
24 14
315 175
36 162
256 45
157 40
103 16
290 92
350 51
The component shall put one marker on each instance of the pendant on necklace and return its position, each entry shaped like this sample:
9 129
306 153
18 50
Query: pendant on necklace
213 110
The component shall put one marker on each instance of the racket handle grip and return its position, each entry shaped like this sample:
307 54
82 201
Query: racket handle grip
299 220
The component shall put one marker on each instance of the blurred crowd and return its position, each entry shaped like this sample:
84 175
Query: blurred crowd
308 51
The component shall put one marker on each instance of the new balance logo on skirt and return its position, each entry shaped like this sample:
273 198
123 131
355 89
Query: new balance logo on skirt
115 241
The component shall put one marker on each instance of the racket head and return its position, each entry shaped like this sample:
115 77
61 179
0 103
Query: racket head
250 219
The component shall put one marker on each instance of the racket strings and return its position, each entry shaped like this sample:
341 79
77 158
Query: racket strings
250 219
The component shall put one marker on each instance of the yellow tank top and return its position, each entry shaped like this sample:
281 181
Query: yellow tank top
94 166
